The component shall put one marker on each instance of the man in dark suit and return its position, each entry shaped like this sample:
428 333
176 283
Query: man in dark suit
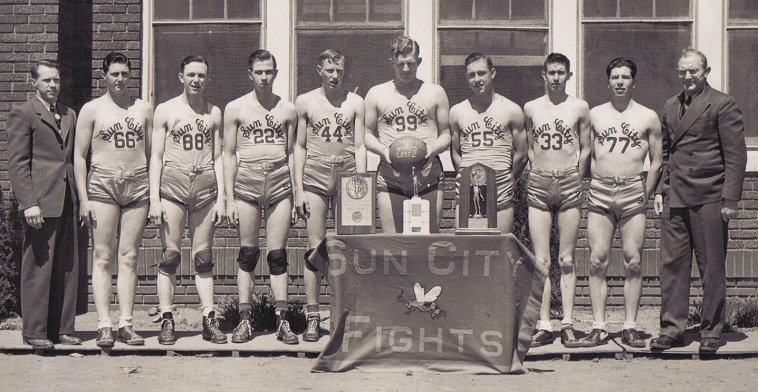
704 166
40 146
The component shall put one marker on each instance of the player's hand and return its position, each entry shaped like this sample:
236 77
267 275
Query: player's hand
302 206
87 214
386 155
658 204
232 215
218 213
156 214
33 216
430 152
728 209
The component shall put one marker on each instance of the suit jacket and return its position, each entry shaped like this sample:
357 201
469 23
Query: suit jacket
40 156
704 152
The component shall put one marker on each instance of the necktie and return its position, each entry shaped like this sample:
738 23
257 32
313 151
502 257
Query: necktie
686 104
56 115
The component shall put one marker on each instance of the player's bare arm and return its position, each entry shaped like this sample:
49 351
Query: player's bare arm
147 111
529 128
299 152
583 127
231 123
219 209
372 120
520 139
160 127
655 154
359 127
291 122
442 114
455 137
84 128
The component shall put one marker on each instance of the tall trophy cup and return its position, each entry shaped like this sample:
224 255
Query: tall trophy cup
477 203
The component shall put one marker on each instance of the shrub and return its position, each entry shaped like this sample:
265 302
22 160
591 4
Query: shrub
738 313
264 315
8 271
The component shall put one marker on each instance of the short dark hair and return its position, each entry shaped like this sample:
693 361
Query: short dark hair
694 52
478 56
34 71
332 55
405 45
194 58
117 58
260 55
557 58
620 62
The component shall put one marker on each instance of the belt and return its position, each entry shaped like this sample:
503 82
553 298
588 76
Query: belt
617 180
265 166
554 172
189 168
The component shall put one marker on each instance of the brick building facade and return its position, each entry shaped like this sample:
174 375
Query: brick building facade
79 33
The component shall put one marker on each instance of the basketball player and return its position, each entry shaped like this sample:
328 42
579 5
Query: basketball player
186 182
260 132
558 131
407 106
623 134
330 140
489 129
113 199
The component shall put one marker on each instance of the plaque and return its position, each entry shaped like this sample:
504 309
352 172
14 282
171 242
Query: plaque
477 203
355 212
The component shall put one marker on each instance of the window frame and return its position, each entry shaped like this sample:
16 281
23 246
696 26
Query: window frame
729 26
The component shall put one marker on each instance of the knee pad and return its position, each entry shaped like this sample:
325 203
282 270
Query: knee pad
203 261
248 258
308 264
277 261
170 261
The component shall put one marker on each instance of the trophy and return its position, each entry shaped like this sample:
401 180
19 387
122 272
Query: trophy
415 212
477 210
355 212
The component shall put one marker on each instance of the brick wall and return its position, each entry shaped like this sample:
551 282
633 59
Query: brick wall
80 33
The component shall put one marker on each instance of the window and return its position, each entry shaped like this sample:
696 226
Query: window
650 32
742 36
361 29
514 33
225 32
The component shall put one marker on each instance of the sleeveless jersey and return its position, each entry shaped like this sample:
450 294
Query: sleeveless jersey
485 139
118 139
399 116
189 140
554 133
330 130
262 135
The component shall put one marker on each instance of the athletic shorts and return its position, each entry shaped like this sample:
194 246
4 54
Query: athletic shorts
503 184
192 186
320 173
554 190
127 189
617 197
390 180
263 183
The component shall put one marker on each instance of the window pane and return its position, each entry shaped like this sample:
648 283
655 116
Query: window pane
367 53
599 8
207 9
517 55
742 78
225 46
386 10
492 9
349 10
671 8
528 9
313 10
742 9
244 9
653 47
456 9
171 9
630 8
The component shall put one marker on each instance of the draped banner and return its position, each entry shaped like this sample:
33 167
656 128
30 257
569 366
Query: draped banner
438 302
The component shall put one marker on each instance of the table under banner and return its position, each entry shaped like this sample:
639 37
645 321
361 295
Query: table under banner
439 302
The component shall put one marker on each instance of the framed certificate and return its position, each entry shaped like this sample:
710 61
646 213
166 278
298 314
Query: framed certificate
355 211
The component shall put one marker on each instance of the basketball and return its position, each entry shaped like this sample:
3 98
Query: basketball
408 152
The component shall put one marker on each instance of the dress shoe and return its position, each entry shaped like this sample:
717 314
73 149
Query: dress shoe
68 340
39 344
709 345
665 342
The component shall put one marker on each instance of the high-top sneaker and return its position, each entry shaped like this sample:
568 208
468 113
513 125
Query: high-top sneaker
244 331
285 334
312 331
167 329
211 331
